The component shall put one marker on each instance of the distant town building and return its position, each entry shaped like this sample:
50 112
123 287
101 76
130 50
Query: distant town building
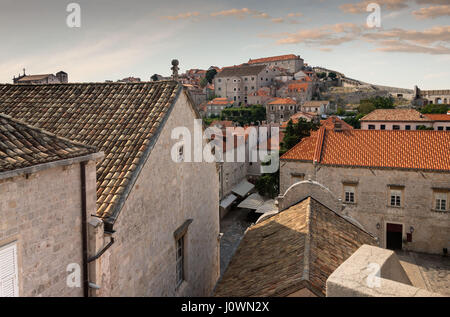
319 107
130 80
404 119
280 109
215 106
238 82
60 78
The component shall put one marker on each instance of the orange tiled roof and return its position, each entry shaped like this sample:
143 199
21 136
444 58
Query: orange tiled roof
123 120
395 115
272 59
22 145
423 150
283 101
296 116
438 117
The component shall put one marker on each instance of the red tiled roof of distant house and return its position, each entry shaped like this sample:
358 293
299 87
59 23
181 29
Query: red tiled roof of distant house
438 117
272 59
283 101
296 116
261 92
219 101
422 150
395 115
223 123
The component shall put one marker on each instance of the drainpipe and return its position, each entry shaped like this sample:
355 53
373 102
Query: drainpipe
84 236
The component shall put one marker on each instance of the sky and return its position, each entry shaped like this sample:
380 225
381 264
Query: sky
117 39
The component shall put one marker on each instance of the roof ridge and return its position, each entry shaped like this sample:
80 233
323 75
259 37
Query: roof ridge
48 133
307 250
319 145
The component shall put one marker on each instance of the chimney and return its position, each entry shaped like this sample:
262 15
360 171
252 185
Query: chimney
337 127
175 69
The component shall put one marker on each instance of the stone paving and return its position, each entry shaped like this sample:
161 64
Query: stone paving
428 271
233 227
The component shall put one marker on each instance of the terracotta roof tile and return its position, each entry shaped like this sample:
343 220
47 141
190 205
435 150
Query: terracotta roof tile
22 145
423 150
438 117
241 70
120 119
296 248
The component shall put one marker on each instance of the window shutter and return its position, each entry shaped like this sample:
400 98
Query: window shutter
8 272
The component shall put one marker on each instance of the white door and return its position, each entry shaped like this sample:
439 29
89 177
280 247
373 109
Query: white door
9 286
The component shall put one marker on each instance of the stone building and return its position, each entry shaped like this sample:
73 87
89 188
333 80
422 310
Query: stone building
291 253
280 110
260 97
44 202
155 232
290 62
404 119
60 78
395 183
236 83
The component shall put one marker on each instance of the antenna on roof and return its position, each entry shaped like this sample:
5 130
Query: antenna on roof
24 71
175 69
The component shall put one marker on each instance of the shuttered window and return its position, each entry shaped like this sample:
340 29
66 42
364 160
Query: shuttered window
8 271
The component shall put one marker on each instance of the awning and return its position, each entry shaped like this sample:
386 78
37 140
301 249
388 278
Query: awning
227 201
243 188
254 201
268 206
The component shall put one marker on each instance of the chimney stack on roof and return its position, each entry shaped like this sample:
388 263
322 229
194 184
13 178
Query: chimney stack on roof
175 69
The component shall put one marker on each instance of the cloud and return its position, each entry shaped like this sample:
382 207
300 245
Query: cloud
277 20
434 40
181 16
432 12
233 12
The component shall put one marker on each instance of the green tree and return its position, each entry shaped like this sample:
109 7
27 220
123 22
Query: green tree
332 75
296 132
434 108
210 74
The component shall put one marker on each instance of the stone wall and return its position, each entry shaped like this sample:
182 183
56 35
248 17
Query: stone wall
142 261
431 228
42 214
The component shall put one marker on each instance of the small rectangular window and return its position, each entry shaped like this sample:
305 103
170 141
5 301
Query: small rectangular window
395 197
349 192
382 127
407 127
396 127
9 286
371 127
441 201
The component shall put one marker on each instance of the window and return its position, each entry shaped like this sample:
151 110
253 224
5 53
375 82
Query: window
220 89
9 286
407 127
349 192
396 127
219 80
447 128
291 107
382 127
440 128
395 197
180 157
180 260
440 201
371 127
281 107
